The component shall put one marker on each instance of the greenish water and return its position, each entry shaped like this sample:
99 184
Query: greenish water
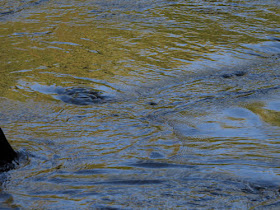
156 104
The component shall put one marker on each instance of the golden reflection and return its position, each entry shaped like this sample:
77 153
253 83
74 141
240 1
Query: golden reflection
269 116
74 151
74 43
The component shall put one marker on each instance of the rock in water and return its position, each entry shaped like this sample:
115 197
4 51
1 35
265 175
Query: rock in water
7 153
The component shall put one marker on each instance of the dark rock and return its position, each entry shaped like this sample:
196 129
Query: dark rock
7 154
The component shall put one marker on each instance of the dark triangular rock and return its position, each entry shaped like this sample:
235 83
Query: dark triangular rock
7 154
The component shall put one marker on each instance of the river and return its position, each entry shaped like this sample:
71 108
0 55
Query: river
154 104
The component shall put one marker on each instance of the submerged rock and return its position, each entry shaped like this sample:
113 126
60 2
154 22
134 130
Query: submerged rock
234 74
80 96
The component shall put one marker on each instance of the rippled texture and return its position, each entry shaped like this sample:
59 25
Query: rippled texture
141 104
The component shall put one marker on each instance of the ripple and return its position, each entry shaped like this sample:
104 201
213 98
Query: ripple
160 165
152 104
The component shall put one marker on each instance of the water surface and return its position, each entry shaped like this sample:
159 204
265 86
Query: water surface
141 104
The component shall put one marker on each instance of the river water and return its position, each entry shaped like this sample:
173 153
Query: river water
156 104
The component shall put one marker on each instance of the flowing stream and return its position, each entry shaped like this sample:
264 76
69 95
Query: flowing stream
141 104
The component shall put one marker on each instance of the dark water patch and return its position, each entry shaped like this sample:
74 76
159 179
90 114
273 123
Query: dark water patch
159 165
90 172
275 39
134 182
99 207
7 13
152 103
237 74
80 96
257 54
114 182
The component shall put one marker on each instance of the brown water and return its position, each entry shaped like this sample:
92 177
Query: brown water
154 104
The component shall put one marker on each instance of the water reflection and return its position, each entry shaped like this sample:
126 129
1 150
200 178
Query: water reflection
178 103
